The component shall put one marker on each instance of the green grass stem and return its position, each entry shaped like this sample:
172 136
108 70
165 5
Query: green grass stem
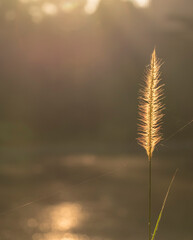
163 205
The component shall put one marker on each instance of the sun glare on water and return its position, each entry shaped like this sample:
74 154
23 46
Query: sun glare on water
56 222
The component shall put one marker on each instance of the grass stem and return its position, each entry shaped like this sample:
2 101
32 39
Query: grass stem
149 199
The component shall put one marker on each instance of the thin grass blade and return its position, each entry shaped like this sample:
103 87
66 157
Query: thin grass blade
163 205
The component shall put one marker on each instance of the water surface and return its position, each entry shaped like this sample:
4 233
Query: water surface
92 196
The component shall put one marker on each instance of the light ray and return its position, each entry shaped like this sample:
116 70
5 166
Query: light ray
139 3
49 8
142 3
68 6
91 6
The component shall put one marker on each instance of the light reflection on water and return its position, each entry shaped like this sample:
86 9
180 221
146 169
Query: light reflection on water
57 222
64 216
59 236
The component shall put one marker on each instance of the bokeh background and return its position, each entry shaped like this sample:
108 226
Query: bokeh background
70 71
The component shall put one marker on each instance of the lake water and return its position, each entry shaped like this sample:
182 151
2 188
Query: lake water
93 196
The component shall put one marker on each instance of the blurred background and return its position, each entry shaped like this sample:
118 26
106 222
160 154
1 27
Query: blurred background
70 71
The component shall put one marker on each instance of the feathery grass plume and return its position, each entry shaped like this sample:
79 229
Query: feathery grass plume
150 107
150 112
